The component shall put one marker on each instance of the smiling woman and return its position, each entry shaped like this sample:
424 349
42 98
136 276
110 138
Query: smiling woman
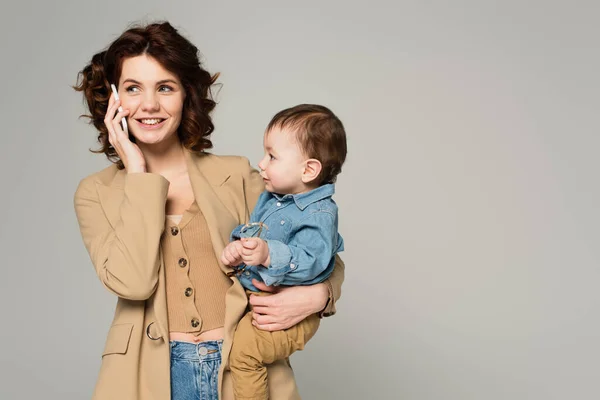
153 67
154 222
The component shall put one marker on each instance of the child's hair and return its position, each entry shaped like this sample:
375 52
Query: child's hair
176 54
320 135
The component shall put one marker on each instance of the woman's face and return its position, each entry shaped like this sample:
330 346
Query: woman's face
154 98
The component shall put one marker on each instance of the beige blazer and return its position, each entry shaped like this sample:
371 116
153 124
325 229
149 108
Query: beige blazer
121 218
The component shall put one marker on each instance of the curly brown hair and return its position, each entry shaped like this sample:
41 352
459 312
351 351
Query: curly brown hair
176 54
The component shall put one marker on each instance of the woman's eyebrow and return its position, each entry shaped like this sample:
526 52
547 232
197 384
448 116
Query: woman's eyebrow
161 82
132 81
167 81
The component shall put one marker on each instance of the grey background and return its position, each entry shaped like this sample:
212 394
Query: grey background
469 202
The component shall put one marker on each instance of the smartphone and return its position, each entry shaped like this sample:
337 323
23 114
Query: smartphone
123 120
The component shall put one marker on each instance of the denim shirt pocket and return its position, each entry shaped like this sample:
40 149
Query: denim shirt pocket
279 228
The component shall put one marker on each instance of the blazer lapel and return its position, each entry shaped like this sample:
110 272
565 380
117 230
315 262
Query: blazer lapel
208 185
217 200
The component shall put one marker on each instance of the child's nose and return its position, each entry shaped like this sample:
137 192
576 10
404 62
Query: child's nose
261 164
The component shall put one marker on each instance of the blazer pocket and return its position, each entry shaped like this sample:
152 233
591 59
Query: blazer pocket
118 339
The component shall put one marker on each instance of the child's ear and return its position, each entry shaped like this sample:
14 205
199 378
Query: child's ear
312 169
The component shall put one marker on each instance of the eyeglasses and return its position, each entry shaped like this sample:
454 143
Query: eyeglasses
251 229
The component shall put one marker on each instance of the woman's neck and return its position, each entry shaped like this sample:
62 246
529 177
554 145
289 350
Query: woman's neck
164 159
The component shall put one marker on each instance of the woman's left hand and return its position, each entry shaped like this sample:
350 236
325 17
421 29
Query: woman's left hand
287 306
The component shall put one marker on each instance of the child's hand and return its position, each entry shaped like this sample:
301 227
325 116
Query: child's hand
232 254
255 252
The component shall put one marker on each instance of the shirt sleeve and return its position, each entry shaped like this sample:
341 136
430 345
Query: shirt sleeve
309 252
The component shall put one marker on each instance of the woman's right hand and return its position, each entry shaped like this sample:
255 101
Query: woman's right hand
131 155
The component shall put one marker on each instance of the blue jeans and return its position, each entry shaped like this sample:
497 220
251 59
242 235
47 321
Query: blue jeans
195 370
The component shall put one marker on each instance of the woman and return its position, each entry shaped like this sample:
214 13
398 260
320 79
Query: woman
154 222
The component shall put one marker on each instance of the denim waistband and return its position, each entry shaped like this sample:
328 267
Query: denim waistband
203 351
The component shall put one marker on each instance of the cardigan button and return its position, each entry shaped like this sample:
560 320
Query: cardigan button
174 230
188 292
182 262
195 323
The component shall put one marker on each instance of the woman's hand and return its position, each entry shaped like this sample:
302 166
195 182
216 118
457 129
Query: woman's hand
287 306
131 155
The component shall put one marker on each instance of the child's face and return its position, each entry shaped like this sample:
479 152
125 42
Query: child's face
283 164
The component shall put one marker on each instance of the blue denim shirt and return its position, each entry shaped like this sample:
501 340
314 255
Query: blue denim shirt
302 234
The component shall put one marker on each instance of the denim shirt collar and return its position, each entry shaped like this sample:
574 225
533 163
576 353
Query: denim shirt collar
303 200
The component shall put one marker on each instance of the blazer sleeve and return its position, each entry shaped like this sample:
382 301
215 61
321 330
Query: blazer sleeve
334 286
253 187
126 257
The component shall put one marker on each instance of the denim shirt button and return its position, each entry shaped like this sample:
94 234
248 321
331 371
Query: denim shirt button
292 266
282 222
278 204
